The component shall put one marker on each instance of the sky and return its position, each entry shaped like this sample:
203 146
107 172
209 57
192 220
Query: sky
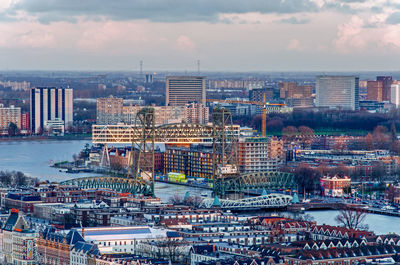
225 35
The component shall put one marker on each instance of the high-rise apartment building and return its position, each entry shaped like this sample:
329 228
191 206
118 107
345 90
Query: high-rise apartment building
375 90
337 92
9 115
50 105
260 154
197 113
386 84
182 90
109 110
395 94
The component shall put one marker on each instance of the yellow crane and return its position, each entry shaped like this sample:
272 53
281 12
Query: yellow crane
264 104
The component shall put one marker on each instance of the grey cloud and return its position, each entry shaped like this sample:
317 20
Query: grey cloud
394 18
156 10
294 20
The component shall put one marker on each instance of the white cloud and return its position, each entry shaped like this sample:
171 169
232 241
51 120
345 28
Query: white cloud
294 45
185 43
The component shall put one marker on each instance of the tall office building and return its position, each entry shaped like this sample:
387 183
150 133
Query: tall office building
395 94
337 92
51 107
386 84
375 90
182 90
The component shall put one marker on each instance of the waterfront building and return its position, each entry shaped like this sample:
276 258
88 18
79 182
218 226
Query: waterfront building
191 162
18 244
260 154
333 186
182 90
337 92
395 94
55 247
9 115
386 84
25 121
109 110
49 106
375 90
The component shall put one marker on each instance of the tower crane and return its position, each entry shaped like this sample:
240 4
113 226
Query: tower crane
264 105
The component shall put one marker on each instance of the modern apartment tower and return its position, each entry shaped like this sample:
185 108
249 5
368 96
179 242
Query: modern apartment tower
386 84
51 106
395 94
337 92
182 90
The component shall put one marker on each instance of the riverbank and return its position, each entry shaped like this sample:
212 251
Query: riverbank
68 137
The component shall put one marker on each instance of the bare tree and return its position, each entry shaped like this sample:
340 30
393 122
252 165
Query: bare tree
176 199
306 134
352 218
289 133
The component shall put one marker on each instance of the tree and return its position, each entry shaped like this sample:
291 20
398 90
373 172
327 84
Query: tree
306 134
369 141
20 179
289 133
176 199
352 218
12 129
307 178
393 132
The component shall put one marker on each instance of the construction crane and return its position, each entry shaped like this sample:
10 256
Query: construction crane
264 105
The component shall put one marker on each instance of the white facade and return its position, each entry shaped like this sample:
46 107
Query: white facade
395 94
50 104
337 92
122 239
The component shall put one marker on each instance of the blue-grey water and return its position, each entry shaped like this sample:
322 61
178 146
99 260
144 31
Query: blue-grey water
33 158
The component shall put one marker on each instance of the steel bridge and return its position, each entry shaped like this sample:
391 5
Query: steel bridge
118 184
177 133
268 180
273 200
259 180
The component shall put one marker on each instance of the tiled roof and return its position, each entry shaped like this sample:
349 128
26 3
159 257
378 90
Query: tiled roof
11 221
335 253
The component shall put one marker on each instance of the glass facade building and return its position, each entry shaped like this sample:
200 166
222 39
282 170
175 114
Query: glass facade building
337 92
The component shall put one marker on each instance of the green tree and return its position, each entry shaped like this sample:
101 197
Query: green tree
12 129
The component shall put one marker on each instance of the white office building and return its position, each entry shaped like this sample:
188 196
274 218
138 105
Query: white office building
395 94
50 104
340 92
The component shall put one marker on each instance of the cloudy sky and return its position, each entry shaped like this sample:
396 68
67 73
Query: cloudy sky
227 35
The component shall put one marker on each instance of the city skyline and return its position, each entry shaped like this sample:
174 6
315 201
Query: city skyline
307 35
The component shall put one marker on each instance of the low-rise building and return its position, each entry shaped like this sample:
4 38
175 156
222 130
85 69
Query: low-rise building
333 186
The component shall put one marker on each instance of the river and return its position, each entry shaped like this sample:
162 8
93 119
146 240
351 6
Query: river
33 158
